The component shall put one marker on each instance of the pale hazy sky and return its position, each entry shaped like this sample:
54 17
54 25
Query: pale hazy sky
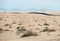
30 4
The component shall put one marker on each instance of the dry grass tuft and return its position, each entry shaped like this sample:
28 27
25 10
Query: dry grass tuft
46 24
1 30
7 25
29 33
20 30
48 30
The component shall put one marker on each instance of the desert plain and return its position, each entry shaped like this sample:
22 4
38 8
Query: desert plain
30 26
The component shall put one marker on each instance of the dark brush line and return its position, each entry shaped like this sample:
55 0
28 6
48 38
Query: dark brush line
15 12
43 13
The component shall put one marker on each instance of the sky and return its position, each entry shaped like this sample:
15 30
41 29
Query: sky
29 5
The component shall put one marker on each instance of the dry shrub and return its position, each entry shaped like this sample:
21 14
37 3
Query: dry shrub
7 25
20 30
48 30
1 18
46 24
29 33
1 30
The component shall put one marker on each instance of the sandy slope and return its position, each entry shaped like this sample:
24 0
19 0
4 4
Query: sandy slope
34 22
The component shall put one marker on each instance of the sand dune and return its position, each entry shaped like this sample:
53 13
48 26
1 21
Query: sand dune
29 27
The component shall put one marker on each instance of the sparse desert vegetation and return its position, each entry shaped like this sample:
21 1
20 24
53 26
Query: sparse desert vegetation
26 27
29 33
48 30
46 24
7 25
1 30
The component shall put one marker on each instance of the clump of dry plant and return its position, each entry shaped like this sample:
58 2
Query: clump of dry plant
29 33
1 30
48 30
46 24
1 18
7 25
20 30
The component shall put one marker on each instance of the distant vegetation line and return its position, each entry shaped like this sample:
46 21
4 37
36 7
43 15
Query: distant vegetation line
43 13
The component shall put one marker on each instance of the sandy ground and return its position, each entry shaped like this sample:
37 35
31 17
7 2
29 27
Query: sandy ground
44 28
